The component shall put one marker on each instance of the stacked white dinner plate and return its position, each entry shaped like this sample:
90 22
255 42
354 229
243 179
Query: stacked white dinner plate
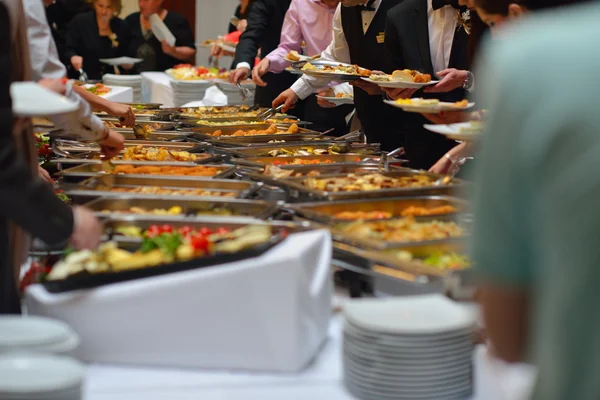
40 377
415 347
234 94
188 91
36 334
132 81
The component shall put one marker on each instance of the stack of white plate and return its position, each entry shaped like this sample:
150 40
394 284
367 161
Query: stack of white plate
188 91
234 94
40 377
36 334
132 81
418 347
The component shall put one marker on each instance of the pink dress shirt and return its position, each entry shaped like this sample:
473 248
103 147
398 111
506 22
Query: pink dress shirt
306 20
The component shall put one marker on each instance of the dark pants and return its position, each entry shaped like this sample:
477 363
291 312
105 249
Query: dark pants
324 119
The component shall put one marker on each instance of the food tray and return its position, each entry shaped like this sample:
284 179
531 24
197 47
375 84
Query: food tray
157 136
203 133
298 191
263 150
337 160
120 207
76 148
144 106
88 281
156 126
90 169
322 169
101 186
325 212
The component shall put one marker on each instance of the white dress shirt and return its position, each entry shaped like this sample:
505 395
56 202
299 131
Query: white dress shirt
45 64
337 51
442 25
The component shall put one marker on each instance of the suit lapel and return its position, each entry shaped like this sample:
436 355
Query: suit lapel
458 56
422 31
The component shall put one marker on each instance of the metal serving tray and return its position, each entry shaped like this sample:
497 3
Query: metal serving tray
91 151
101 186
325 212
204 133
262 150
162 136
336 160
120 207
300 192
158 126
91 169
322 169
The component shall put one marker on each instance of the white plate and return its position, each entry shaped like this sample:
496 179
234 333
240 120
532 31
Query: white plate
120 60
26 331
415 340
31 100
426 314
406 353
38 373
302 58
429 109
386 372
161 31
227 47
338 100
362 393
400 84
452 131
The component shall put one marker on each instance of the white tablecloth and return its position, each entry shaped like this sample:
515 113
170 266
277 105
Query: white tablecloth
156 88
494 380
120 94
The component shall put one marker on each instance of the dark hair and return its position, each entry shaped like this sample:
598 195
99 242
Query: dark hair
501 6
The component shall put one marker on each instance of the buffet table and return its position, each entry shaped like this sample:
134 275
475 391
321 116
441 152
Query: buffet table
120 94
322 380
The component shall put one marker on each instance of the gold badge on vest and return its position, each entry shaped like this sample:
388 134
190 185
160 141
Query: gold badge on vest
381 37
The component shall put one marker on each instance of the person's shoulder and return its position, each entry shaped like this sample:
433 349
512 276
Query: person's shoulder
399 11
175 18
84 18
133 17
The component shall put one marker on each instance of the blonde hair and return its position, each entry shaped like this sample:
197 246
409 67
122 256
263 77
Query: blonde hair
117 5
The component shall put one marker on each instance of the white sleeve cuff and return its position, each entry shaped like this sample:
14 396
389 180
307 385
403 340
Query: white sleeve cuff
243 65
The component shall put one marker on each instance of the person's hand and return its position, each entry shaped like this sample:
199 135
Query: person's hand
87 230
441 166
396 94
261 69
288 98
44 175
448 117
126 66
368 87
322 102
168 49
242 25
122 111
216 50
454 155
56 85
77 62
452 78
239 74
112 145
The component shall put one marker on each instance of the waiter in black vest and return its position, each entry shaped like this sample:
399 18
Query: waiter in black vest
429 36
265 21
358 38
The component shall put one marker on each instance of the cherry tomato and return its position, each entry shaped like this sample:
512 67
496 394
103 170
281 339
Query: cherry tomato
186 231
222 231
276 162
202 71
154 230
166 229
200 243
204 231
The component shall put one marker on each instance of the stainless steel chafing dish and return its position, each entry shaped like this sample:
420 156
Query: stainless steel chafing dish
338 147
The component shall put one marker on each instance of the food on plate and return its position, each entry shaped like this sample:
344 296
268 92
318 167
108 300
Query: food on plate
305 151
406 75
402 230
474 127
187 72
161 245
418 102
98 89
414 211
462 103
369 182
356 215
39 121
141 153
156 190
337 69
293 56
198 170
439 260
271 130
344 96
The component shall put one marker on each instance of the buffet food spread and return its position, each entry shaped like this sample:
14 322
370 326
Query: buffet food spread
377 211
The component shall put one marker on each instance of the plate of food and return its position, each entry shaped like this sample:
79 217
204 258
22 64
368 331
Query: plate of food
429 106
332 70
405 79
339 99
463 131
99 89
294 56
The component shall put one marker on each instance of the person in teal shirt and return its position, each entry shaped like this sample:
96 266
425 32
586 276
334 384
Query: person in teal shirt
536 239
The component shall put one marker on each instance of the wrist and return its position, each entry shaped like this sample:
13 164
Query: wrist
105 134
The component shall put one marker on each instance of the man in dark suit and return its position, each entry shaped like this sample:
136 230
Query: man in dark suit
263 32
358 38
425 35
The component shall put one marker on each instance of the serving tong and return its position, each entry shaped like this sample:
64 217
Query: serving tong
265 115
246 93
452 172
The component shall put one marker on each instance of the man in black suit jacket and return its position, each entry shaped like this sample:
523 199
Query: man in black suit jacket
263 32
425 35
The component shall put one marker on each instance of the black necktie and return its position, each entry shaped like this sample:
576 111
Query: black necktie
437 4
368 6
